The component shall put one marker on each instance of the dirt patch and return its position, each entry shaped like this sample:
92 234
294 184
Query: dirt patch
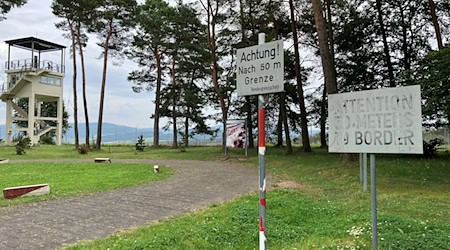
284 184
294 185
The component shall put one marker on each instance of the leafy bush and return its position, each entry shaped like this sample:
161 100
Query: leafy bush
182 146
47 139
22 144
140 144
430 148
83 149
433 75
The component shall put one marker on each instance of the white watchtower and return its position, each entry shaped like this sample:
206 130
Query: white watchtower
33 85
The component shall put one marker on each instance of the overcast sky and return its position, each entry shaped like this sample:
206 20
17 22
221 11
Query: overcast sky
122 105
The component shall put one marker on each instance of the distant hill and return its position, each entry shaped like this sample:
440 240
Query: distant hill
113 133
125 134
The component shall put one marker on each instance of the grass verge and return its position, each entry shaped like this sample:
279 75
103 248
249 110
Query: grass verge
113 151
74 178
327 210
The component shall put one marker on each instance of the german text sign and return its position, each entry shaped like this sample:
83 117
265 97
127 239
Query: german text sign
260 69
376 121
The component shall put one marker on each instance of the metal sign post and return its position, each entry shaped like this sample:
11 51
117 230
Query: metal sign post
262 163
260 70
373 188
360 168
262 172
365 172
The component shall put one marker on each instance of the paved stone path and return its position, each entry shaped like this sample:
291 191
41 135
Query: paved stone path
52 224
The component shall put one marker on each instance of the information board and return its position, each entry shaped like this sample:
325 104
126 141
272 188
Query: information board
260 69
376 121
236 135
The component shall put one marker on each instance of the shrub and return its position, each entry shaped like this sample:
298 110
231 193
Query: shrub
140 144
182 146
430 148
83 149
47 139
22 144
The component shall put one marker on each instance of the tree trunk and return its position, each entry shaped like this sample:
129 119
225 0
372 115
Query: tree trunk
74 84
280 127
242 20
330 33
186 130
224 134
102 91
285 123
323 118
405 49
437 29
158 98
323 105
248 104
385 45
174 114
212 15
325 55
83 84
252 21
304 120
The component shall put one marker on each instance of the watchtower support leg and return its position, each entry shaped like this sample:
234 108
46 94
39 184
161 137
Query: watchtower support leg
60 121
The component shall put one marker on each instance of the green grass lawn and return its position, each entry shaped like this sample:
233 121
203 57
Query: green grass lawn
112 151
68 179
328 211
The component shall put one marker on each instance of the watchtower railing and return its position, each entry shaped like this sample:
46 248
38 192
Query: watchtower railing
32 65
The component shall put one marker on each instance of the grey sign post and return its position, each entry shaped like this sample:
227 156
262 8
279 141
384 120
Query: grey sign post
376 121
260 70
373 189
360 167
364 172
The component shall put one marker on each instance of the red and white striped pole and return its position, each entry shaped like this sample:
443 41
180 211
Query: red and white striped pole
262 164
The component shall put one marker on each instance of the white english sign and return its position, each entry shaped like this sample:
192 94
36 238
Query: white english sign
260 69
376 121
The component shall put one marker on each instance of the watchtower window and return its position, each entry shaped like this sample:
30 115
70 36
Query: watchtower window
50 80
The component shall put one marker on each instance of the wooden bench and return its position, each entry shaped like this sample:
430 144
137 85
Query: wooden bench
102 160
31 190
